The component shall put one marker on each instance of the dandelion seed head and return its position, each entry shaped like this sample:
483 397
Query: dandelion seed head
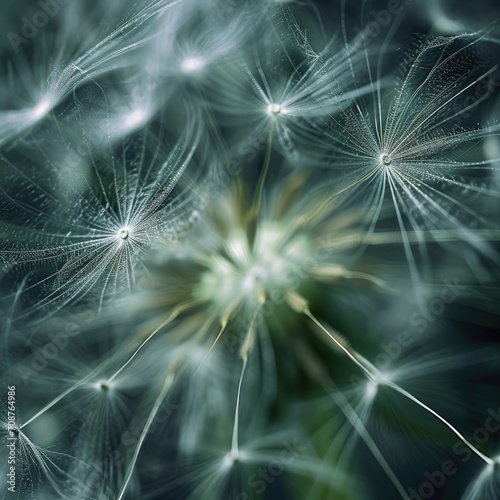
386 159
231 458
247 272
192 64
371 389
41 109
372 386
227 462
485 485
274 109
124 233
110 209
102 385
135 118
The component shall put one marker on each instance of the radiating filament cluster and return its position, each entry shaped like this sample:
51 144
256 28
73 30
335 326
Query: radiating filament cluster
250 250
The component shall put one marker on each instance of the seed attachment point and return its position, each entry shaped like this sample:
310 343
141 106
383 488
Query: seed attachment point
41 109
192 64
386 159
123 233
274 109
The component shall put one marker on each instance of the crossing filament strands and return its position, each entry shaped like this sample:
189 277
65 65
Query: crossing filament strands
249 249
